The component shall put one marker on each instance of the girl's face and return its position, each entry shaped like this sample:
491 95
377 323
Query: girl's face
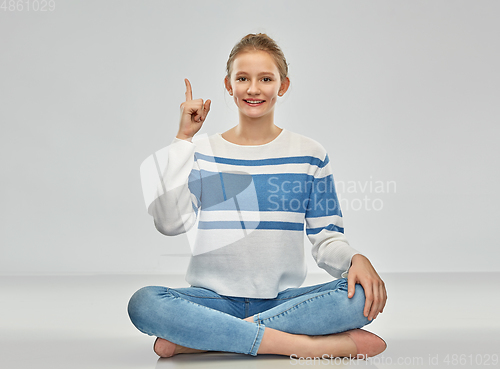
255 83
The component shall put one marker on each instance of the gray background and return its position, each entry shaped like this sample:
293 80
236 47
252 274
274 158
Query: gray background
402 91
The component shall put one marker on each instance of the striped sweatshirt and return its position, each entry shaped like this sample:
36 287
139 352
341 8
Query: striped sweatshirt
245 209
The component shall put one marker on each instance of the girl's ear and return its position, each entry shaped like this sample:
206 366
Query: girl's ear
284 86
228 86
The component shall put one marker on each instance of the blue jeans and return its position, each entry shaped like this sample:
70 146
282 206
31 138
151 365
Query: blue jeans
199 318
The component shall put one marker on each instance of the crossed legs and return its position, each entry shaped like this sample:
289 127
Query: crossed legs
306 325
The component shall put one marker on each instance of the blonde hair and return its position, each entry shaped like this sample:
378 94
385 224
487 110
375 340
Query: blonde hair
259 41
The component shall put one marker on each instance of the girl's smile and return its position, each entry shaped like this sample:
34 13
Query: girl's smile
254 102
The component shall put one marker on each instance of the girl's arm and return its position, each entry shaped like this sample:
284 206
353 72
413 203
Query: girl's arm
324 224
178 185
331 249
171 178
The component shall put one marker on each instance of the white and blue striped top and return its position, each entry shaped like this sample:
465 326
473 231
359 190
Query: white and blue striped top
245 208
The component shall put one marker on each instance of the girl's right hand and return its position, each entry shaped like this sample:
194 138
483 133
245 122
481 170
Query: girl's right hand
193 114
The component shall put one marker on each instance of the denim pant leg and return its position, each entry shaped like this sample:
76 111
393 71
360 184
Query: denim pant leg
194 317
316 310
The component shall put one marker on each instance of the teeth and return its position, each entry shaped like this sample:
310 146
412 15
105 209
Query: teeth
254 102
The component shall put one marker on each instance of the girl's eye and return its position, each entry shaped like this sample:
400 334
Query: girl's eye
241 79
266 79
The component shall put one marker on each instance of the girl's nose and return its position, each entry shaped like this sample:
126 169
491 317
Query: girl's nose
253 89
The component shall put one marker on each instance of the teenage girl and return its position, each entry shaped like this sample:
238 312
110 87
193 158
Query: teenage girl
245 295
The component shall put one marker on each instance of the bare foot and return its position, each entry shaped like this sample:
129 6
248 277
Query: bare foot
164 348
356 343
345 344
368 343
335 345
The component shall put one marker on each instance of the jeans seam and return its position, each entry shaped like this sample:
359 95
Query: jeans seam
291 307
304 293
256 336
201 297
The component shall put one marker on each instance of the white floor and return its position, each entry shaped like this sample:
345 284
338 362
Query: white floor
431 321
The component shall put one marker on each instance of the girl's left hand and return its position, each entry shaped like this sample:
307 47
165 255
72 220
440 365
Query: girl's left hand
362 272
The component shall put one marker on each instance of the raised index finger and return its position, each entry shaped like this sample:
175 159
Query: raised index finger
189 92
